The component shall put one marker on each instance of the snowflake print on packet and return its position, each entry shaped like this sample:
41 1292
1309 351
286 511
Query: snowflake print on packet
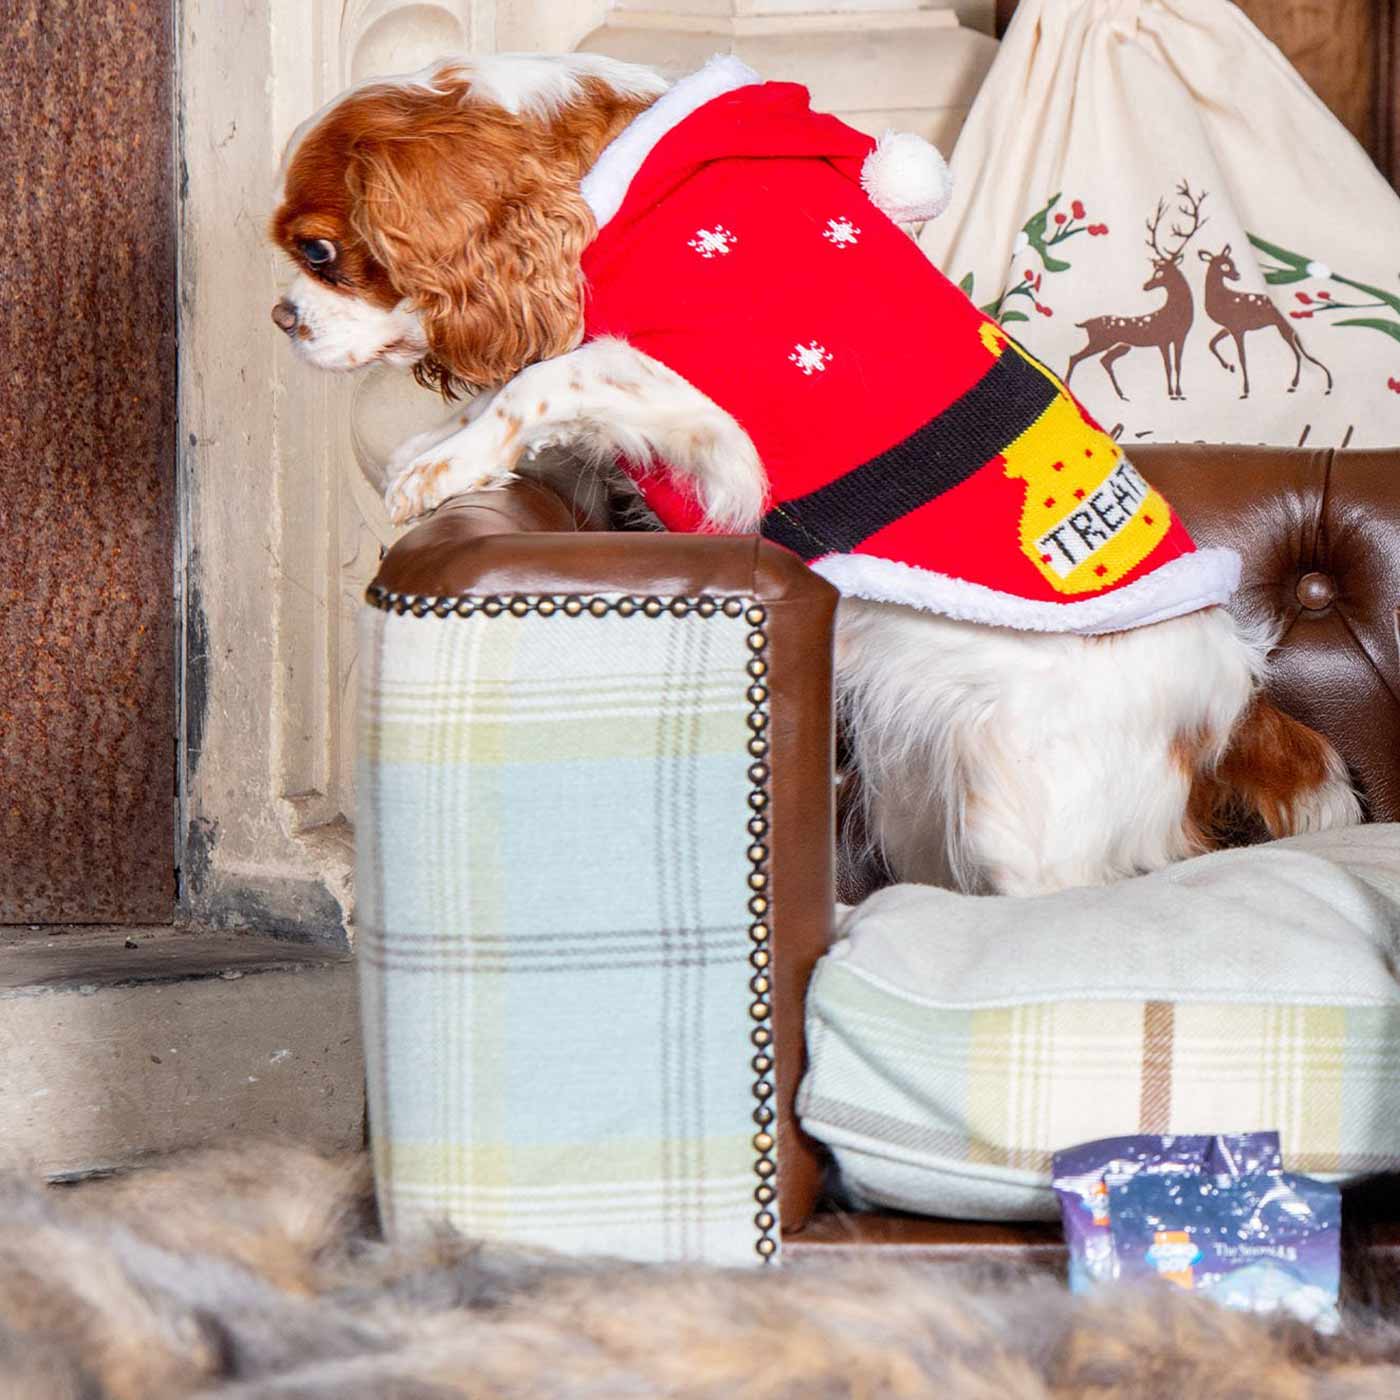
709 241
811 357
841 232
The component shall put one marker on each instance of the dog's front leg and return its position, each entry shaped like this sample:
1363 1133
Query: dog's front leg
603 400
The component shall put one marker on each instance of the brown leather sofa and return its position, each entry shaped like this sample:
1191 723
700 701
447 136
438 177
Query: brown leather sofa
1319 532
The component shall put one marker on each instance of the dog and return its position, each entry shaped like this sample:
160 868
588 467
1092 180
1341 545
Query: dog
1071 704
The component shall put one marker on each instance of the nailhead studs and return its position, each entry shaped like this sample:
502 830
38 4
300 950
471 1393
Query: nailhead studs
760 985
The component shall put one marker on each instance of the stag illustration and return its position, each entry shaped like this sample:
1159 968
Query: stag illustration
1111 337
1242 312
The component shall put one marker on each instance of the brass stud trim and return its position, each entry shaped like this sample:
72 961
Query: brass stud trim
573 604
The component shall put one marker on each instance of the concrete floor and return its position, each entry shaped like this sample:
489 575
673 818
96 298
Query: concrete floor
119 1044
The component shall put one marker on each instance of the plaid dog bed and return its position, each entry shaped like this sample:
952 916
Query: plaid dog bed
956 1042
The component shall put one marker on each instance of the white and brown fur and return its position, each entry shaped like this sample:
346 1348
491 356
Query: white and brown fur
988 759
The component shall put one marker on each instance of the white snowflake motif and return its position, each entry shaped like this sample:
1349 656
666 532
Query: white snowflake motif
810 357
842 232
709 241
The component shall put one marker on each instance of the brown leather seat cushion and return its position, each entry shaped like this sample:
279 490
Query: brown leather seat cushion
1320 536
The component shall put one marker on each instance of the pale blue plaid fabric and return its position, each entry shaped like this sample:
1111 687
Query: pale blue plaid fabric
553 928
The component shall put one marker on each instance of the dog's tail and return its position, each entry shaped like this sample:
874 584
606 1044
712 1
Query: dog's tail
1277 771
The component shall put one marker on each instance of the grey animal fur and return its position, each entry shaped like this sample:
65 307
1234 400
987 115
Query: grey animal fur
257 1273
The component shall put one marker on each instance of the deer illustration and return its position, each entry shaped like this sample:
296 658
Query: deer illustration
1242 312
1111 337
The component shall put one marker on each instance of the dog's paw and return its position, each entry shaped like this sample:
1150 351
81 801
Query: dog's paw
432 478
732 484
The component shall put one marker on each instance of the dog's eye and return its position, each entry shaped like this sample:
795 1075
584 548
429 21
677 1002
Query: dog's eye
318 252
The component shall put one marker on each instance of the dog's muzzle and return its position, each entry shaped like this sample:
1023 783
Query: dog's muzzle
285 315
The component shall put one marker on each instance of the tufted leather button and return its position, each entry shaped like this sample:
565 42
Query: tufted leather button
1316 591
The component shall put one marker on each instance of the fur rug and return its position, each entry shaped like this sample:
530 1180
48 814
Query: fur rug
257 1273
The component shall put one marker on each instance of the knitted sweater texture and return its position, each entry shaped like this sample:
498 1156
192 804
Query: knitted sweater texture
914 453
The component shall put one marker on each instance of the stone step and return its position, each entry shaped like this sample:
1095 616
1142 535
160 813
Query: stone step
119 1044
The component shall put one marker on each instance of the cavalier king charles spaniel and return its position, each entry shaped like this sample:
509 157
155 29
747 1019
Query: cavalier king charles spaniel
446 221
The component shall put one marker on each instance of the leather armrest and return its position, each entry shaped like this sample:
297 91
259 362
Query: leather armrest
427 560
524 540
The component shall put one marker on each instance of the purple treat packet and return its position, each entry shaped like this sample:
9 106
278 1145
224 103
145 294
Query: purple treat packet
1083 1177
1261 1240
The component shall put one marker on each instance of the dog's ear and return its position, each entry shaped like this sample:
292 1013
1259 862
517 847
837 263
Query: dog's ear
481 226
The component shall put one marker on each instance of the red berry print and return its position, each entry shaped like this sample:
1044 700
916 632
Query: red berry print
1077 209
1305 298
1301 315
1324 296
1393 385
1061 218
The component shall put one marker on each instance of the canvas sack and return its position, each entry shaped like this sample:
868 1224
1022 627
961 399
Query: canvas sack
1153 202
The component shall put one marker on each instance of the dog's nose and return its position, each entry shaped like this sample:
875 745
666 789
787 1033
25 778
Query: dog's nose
285 315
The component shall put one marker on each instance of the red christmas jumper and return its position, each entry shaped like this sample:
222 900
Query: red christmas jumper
914 453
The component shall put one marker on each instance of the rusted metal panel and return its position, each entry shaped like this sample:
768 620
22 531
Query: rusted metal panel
87 403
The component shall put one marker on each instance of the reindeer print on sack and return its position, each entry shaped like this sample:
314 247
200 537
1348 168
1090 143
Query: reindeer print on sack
1166 328
1241 312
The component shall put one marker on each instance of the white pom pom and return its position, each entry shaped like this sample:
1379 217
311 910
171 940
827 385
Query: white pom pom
907 178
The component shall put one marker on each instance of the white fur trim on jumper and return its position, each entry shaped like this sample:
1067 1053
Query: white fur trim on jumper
604 187
1183 585
907 178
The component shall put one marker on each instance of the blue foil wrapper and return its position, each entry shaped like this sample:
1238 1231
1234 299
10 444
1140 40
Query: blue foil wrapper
1081 1177
1212 1215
